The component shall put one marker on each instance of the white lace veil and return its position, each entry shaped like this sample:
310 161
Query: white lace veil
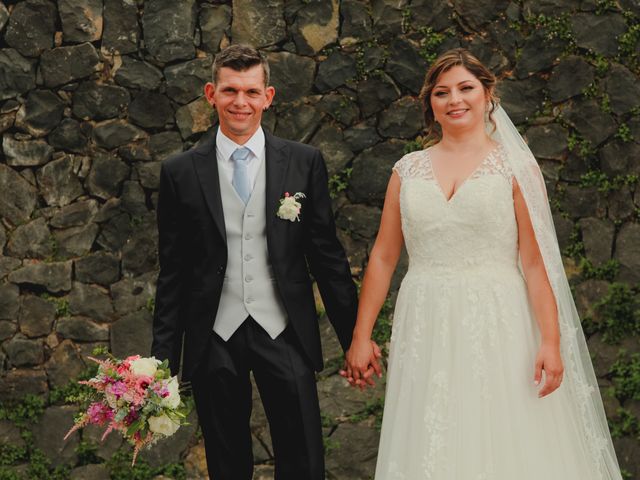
579 376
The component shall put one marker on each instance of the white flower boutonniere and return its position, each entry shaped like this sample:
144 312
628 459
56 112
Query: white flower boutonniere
290 207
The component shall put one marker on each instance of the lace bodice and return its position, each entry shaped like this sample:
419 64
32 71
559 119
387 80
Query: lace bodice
476 227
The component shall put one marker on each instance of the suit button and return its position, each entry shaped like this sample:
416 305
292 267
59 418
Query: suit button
248 257
249 300
220 270
247 236
248 278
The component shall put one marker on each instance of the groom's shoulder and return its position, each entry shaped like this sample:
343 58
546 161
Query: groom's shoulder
182 159
296 148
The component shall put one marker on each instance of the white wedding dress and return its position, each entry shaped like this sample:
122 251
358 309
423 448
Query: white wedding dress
461 403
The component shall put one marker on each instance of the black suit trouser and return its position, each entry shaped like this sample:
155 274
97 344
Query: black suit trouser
286 382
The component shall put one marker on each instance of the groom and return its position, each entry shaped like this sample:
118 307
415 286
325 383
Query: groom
235 251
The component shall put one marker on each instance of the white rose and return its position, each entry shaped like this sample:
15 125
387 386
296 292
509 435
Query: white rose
173 399
163 425
145 366
289 209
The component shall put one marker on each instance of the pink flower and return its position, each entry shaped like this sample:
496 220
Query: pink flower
142 383
99 413
161 389
118 389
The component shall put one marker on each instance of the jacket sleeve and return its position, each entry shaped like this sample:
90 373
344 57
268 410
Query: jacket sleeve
326 256
167 326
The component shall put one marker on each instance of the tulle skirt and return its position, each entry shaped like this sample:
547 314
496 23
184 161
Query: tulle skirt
461 403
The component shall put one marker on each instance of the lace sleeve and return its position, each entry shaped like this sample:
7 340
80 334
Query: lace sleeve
495 164
412 165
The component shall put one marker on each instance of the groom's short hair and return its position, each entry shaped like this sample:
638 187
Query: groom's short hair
240 57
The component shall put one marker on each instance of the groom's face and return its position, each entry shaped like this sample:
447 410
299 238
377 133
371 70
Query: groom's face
240 97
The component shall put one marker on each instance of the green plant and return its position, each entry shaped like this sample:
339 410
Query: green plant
361 65
606 271
151 305
9 474
555 26
372 408
625 424
628 41
429 43
74 392
339 182
624 133
625 374
119 466
53 244
61 304
86 452
575 249
327 421
601 63
330 444
414 145
579 145
603 5
12 454
616 314
176 471
406 20
605 103
606 184
26 411
591 90
40 467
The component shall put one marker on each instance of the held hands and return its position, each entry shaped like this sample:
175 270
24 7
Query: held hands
361 363
549 360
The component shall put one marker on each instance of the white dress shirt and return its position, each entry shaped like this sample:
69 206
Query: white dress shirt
225 148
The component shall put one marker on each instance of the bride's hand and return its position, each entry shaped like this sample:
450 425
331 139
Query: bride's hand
549 360
361 363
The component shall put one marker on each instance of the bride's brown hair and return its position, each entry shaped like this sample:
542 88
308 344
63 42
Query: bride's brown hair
445 62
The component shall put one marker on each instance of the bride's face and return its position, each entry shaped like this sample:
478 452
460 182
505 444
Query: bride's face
459 100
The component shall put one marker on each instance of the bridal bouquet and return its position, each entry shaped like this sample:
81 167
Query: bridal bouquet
136 396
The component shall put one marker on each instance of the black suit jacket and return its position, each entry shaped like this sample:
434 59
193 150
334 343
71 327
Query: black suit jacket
193 251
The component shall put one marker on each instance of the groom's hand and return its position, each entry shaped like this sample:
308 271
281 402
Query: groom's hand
362 363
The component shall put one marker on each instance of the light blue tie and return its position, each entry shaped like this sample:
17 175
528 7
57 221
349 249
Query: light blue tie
240 179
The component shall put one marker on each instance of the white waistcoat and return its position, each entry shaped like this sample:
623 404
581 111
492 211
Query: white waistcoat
249 285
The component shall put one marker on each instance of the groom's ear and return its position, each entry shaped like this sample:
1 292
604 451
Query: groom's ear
270 92
209 93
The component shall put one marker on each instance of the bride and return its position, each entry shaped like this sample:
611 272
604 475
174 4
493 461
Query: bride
489 376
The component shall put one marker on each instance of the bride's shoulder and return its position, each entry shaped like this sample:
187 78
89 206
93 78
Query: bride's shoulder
497 162
412 163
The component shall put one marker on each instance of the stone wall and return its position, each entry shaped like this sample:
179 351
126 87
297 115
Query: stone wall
95 93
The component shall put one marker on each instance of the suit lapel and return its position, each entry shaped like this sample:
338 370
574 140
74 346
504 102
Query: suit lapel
206 165
277 158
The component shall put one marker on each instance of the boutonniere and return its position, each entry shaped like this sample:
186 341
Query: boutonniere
290 207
